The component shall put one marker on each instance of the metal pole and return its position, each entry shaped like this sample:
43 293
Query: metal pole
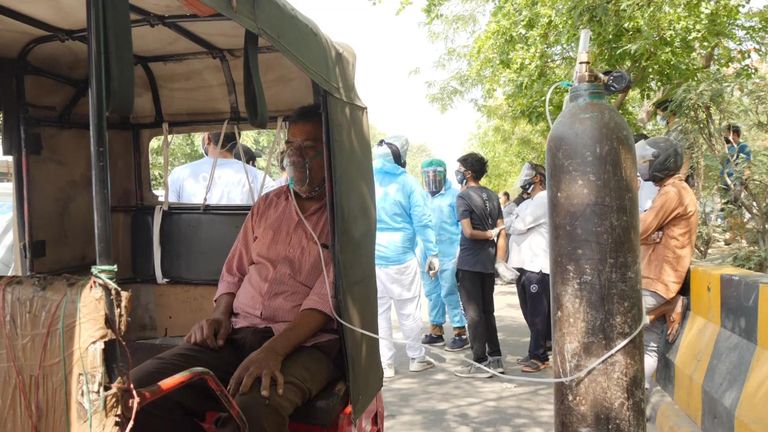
97 103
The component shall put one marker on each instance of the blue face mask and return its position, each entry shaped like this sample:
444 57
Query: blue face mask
460 177
662 120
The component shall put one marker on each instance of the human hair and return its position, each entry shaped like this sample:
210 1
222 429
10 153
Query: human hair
228 144
665 105
639 137
541 172
307 114
248 153
733 128
475 163
505 194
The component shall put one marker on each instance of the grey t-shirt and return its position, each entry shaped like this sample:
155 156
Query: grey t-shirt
481 205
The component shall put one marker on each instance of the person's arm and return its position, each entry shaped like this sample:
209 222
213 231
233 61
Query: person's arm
267 361
422 219
501 242
473 234
664 208
529 216
212 332
239 258
463 212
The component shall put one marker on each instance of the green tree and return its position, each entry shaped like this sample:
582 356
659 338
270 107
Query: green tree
504 55
187 148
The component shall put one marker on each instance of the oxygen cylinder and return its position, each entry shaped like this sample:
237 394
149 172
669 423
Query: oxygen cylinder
594 258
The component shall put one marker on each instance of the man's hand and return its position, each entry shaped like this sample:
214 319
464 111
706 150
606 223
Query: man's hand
433 266
210 332
506 273
495 233
263 363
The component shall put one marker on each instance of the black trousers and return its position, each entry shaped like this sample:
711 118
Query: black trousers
476 291
533 293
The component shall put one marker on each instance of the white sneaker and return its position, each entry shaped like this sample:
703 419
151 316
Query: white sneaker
421 363
389 370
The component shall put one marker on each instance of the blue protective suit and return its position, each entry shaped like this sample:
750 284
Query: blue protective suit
402 215
442 292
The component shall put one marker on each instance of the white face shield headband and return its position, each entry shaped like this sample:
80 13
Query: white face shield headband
645 155
525 179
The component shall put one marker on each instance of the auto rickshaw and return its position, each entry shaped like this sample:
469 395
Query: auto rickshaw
107 283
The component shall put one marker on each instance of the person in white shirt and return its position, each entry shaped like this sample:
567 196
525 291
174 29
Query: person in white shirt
230 186
529 241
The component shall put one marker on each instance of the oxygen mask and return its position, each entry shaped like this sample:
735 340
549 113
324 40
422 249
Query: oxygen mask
297 160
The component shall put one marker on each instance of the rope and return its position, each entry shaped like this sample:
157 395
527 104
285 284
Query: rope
270 157
64 361
88 407
166 150
245 168
14 362
213 167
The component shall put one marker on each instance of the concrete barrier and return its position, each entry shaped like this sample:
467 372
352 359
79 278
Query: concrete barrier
717 371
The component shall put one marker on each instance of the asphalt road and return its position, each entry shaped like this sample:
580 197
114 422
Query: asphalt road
437 400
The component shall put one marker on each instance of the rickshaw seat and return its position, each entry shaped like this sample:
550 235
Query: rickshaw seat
194 244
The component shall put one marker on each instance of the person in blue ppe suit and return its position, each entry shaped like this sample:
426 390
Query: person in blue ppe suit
402 217
442 292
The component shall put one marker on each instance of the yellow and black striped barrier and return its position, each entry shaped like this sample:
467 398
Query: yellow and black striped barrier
717 371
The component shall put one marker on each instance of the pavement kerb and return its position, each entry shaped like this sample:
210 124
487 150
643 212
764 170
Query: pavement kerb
666 415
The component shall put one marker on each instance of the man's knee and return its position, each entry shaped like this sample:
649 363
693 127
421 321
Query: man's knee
266 414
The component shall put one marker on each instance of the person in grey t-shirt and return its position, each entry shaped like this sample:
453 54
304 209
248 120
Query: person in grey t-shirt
483 244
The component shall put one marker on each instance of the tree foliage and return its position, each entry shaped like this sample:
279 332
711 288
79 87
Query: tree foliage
187 148
503 55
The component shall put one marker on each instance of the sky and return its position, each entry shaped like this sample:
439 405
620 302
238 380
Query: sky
389 47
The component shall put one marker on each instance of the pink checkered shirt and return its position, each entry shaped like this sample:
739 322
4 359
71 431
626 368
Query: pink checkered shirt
274 266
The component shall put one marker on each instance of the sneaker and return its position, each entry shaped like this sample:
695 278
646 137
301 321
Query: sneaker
472 371
495 364
431 339
458 343
420 364
389 371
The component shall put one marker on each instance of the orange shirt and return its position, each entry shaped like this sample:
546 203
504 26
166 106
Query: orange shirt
274 266
665 261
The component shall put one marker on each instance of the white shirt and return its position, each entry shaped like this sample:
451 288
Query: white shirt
187 183
646 194
529 240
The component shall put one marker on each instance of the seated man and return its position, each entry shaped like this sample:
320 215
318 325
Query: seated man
188 183
271 336
667 239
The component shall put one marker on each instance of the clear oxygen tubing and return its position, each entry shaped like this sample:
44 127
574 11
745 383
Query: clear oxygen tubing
563 84
336 316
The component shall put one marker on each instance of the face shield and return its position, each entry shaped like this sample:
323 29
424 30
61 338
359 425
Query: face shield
645 155
525 179
434 179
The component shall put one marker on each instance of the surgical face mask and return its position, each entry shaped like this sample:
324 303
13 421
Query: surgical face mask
434 179
461 179
297 160
528 185
662 120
